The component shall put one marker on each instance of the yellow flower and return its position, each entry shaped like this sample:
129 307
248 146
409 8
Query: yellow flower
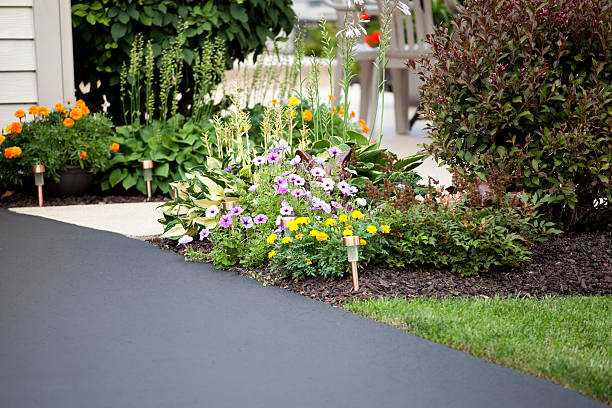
307 115
356 214
347 232
271 238
293 101
385 229
334 110
274 101
2 139
321 236
293 225
362 241
33 110
12 152
330 222
20 114
331 97
347 226
301 220
44 111
371 229
362 123
343 218
313 232
299 236
271 254
286 240
308 261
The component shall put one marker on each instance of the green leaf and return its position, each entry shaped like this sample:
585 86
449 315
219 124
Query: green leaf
161 171
118 30
238 12
116 176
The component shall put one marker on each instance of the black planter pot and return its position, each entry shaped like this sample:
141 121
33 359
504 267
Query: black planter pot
74 181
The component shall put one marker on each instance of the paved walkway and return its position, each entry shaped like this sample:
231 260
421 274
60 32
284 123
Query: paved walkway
94 319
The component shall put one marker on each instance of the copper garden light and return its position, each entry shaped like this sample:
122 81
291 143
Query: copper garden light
147 166
39 181
352 243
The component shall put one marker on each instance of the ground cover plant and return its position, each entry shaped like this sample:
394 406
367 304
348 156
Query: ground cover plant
565 340
524 86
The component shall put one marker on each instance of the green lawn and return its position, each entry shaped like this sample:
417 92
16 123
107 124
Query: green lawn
565 340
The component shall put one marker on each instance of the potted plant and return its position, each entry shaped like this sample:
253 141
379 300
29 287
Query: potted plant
71 143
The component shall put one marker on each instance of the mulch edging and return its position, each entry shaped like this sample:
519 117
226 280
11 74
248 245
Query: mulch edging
567 265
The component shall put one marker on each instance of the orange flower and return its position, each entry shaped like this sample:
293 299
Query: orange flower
68 122
64 113
331 97
59 107
2 139
83 154
307 115
365 16
76 113
341 112
365 129
12 152
33 110
85 110
362 241
20 114
373 39
334 110
115 147
14 127
44 111
362 122
352 114
80 103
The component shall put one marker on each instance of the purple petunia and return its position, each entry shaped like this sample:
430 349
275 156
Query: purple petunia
295 161
254 188
327 184
226 221
236 211
259 161
260 219
298 192
281 188
204 233
273 158
212 211
336 205
280 180
287 210
247 222
292 177
317 172
299 181
334 151
344 187
326 207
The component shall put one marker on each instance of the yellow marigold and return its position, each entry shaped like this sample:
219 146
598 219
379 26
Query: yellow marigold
274 101
343 218
286 240
83 154
44 111
313 233
347 232
385 229
371 229
308 261
33 110
14 127
293 226
321 236
76 113
334 110
271 254
68 122
290 113
331 97
356 214
20 114
307 115
298 236
12 152
59 107
362 123
2 139
115 147
341 112
362 241
271 238
330 222
293 101
301 220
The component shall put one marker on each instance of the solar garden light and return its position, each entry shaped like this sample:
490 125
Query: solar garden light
229 205
147 166
39 181
284 223
352 248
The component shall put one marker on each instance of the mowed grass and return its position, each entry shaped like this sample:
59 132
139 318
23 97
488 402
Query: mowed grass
565 340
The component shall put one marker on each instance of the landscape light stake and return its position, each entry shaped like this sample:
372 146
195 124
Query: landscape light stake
284 223
147 166
39 181
228 206
352 248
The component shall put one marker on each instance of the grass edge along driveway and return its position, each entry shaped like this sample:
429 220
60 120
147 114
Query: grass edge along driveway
564 340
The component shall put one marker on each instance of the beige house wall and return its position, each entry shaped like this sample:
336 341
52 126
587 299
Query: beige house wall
36 63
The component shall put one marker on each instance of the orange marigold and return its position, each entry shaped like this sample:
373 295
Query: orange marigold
14 127
80 103
83 154
12 152
115 147
20 114
59 107
352 114
44 111
2 139
334 110
85 110
307 115
365 129
68 122
33 110
76 113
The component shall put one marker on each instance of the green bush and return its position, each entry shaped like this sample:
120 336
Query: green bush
105 30
525 86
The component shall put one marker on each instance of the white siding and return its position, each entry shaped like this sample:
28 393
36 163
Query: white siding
21 3
7 113
16 23
17 55
18 87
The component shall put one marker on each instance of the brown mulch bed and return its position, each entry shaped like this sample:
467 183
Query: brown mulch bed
25 200
567 265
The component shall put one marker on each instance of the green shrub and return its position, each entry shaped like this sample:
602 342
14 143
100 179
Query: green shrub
105 29
525 86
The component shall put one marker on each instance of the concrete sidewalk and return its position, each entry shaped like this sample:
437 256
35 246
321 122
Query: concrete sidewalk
93 319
